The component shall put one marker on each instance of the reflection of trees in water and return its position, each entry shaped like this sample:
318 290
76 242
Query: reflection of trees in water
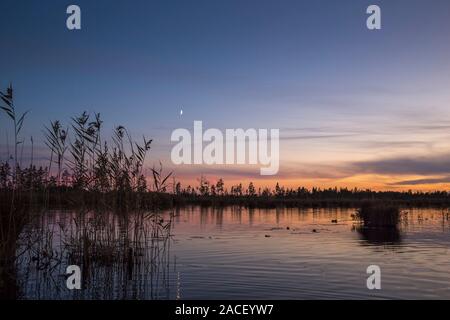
379 235
251 216
379 223
121 255
219 216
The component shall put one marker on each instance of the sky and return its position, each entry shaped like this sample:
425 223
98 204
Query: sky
355 107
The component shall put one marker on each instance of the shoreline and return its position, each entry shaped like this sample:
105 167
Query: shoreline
123 201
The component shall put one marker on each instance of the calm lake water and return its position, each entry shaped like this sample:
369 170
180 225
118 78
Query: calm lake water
235 253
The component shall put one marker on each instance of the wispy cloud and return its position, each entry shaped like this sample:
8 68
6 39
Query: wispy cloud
316 136
432 165
415 182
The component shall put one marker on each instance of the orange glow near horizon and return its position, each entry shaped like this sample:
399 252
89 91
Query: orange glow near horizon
372 182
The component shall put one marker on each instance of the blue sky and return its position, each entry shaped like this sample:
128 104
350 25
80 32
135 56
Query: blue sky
338 92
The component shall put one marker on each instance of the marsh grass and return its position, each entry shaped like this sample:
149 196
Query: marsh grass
122 256
117 226
378 215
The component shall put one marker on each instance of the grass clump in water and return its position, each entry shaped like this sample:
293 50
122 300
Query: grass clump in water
373 214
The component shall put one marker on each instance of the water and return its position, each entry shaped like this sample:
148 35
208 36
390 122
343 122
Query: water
235 253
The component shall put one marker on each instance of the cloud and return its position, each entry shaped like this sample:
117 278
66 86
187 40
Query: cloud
318 136
288 171
224 171
415 182
434 165
434 169
393 144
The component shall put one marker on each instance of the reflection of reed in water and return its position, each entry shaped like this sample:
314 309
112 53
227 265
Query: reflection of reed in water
379 235
8 287
379 223
121 255
11 226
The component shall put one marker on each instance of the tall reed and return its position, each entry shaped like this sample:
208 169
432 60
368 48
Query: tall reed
17 120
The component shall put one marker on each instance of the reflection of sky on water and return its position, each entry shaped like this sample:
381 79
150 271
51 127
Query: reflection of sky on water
244 254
